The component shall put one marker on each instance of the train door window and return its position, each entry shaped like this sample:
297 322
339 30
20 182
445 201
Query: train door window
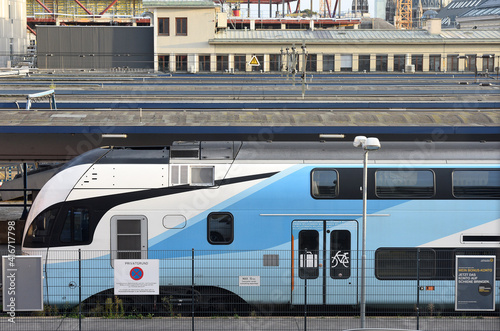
340 254
404 183
220 228
308 254
324 183
129 238
476 183
76 226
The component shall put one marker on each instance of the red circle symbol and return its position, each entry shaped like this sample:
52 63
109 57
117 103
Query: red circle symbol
136 273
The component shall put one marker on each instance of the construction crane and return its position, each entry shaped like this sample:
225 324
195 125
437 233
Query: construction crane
403 19
325 8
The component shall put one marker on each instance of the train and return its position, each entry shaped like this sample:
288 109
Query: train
277 215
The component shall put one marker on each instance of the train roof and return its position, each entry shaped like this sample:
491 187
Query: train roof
335 151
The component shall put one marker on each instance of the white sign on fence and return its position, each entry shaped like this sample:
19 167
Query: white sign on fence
137 277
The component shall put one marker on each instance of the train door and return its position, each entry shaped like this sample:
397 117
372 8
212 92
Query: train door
129 237
325 256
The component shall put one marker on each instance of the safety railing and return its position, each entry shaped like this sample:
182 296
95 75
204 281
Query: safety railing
246 290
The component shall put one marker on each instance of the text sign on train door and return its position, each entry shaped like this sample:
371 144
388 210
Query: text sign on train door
475 282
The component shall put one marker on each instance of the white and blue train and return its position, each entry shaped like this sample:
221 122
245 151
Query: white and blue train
276 200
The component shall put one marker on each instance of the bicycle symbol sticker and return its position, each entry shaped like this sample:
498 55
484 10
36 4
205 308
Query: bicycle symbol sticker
342 258
136 273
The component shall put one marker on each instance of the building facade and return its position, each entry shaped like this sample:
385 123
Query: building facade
13 32
199 38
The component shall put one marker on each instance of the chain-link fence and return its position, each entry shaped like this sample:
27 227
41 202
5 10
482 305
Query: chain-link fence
252 290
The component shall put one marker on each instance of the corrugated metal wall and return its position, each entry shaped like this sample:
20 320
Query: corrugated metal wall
94 47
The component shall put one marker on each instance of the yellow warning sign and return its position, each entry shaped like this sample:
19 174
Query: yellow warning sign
254 61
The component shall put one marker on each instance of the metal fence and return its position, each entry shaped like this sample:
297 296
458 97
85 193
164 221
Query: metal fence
242 290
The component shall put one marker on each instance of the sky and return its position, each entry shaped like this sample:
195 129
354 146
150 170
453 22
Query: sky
304 4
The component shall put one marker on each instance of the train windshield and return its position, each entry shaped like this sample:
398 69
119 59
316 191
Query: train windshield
38 234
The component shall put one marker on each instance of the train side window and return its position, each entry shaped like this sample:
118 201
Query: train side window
476 183
220 228
324 183
129 237
401 263
76 226
308 254
340 254
404 183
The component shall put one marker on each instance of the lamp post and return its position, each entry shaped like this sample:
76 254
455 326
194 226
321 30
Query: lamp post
368 144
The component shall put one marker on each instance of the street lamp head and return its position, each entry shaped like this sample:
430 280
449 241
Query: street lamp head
372 144
368 144
359 141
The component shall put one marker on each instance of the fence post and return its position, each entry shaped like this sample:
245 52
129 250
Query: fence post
305 292
24 215
79 289
418 288
192 289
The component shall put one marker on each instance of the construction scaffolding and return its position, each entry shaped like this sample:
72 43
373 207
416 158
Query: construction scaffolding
70 12
403 18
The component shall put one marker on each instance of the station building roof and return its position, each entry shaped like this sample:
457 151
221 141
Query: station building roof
368 36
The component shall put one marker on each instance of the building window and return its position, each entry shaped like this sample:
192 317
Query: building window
274 62
452 62
364 63
476 184
181 26
346 62
470 63
381 63
204 63
220 228
488 63
312 62
163 26
328 62
404 183
324 183
418 61
222 63
260 67
399 62
434 62
164 63
240 63
181 63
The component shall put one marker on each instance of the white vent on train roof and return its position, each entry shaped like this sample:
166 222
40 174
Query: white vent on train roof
179 175
192 175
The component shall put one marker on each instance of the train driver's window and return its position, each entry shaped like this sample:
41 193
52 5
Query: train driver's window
220 228
324 183
76 226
